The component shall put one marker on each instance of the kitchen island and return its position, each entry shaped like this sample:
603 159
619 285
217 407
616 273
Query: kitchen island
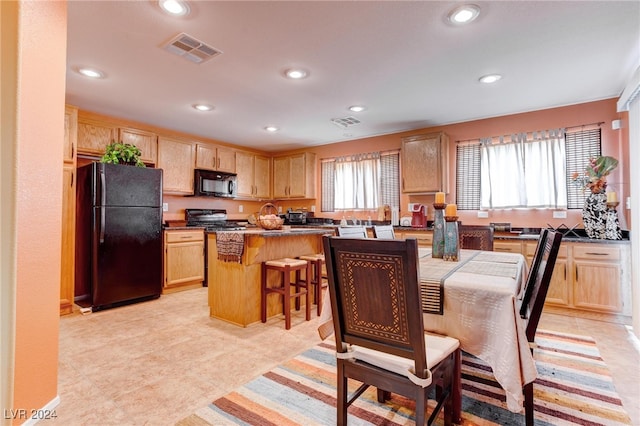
234 287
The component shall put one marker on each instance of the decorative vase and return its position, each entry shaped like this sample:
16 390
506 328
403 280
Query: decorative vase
437 243
451 242
594 215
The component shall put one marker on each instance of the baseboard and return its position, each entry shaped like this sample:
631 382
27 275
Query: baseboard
48 412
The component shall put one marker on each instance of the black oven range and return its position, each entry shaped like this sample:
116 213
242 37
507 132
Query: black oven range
211 220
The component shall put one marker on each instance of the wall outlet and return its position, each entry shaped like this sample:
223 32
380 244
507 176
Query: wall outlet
165 207
628 203
483 215
560 214
313 208
240 208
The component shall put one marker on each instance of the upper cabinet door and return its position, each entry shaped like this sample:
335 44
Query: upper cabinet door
294 176
215 158
262 175
425 163
177 159
147 142
244 165
70 133
94 136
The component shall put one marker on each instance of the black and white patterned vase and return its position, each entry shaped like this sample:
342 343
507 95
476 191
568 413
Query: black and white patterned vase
594 215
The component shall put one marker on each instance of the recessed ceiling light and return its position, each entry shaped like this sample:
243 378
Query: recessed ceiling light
491 78
174 7
357 108
203 107
271 129
91 72
464 14
296 73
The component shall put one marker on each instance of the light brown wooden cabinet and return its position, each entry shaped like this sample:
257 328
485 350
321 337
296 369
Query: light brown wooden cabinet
590 276
294 176
146 142
94 136
67 272
559 289
210 157
176 158
254 173
425 238
425 163
597 278
183 259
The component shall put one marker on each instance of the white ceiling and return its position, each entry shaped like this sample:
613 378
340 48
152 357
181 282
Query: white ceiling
399 58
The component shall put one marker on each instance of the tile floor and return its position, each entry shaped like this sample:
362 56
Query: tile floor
157 362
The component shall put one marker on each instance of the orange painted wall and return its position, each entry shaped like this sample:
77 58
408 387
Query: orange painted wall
614 143
40 132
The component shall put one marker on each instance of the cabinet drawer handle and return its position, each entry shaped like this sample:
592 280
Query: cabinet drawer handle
598 254
186 237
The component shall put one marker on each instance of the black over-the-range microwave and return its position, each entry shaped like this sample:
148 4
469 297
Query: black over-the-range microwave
214 184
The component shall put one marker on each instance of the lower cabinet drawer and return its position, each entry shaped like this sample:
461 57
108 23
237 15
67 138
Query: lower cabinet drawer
183 236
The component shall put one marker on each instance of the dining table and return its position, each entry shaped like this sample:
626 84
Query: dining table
475 300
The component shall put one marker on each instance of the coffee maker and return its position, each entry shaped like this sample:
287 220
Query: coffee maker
419 218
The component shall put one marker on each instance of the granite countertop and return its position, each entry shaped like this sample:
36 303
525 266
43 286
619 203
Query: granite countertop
285 232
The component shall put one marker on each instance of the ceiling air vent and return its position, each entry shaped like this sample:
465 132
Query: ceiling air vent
191 48
345 122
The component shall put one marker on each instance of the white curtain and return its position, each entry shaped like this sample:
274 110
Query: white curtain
524 173
356 182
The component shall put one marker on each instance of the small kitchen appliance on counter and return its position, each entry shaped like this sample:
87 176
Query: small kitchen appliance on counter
419 218
295 217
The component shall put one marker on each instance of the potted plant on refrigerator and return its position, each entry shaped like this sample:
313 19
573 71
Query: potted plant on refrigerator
122 153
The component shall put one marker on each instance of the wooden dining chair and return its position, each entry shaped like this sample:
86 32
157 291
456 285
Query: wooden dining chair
476 237
534 296
380 338
352 231
384 231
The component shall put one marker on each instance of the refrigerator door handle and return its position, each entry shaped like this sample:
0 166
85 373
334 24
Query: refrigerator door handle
103 199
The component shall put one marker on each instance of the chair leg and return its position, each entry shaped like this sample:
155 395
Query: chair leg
287 297
456 388
341 419
421 407
528 403
308 287
263 294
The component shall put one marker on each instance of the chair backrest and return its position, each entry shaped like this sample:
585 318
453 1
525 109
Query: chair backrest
539 278
476 237
375 296
352 231
384 231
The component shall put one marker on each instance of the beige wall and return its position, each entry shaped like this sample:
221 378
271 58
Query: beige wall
35 199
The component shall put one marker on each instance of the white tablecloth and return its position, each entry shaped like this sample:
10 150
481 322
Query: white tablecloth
480 310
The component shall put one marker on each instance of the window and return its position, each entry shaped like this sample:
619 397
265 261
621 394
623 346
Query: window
524 173
361 182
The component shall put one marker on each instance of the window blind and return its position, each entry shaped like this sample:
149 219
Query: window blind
468 177
580 147
327 203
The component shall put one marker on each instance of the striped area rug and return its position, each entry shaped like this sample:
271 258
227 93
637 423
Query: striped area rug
573 387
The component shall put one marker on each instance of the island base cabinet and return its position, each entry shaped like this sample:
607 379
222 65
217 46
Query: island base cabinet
234 288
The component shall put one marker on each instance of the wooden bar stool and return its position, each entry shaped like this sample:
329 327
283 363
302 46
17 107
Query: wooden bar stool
316 263
302 287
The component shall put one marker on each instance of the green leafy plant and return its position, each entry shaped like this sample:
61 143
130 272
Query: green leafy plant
122 153
595 173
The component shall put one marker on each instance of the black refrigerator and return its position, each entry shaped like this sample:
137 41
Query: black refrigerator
118 235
